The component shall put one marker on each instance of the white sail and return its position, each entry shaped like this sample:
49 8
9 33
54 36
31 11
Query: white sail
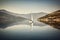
31 22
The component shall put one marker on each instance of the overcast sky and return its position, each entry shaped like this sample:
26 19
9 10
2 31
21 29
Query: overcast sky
30 6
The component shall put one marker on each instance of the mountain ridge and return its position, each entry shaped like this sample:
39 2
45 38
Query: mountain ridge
20 18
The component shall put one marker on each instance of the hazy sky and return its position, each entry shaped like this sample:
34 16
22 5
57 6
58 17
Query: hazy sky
30 6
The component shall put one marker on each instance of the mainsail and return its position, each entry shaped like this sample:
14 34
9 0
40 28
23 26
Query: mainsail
31 22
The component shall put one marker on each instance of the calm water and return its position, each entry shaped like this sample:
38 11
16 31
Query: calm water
24 32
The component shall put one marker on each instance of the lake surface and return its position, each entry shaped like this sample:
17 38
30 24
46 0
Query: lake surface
18 32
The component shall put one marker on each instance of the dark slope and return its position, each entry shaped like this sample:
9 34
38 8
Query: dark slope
52 19
6 19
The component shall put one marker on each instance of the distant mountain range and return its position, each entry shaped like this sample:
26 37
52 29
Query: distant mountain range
8 18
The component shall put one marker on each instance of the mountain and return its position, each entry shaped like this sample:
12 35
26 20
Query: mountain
52 19
6 19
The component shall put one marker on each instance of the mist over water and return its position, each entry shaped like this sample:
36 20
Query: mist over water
22 29
24 32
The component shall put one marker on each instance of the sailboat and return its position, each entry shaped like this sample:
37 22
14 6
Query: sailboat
31 22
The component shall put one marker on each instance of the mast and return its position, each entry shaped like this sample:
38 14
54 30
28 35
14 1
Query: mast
31 22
